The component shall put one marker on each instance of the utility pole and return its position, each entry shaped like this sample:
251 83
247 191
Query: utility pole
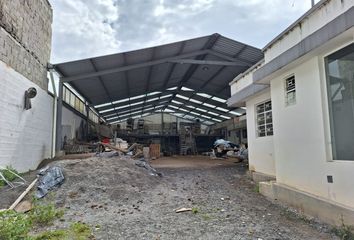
312 3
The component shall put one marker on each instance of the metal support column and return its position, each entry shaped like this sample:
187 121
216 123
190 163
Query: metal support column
54 126
162 124
87 120
59 116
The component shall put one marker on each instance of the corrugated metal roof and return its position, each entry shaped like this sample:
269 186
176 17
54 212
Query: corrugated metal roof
204 65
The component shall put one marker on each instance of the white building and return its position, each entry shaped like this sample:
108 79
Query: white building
300 113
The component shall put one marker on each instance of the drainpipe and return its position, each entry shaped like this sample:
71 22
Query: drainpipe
54 125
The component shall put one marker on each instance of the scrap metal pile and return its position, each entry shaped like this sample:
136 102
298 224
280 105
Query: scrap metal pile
223 148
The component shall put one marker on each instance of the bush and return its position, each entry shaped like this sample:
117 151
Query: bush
80 231
45 214
344 232
77 231
17 226
51 235
195 210
14 226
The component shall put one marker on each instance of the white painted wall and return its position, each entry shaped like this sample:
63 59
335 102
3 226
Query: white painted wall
261 156
25 135
325 14
302 156
301 131
245 79
242 83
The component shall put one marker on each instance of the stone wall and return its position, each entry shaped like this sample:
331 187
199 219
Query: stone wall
25 37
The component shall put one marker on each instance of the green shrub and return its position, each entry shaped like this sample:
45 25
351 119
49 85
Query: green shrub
344 232
45 214
14 226
80 231
256 188
17 226
195 210
51 235
77 231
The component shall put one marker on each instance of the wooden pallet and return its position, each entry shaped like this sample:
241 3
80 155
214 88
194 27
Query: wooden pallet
155 150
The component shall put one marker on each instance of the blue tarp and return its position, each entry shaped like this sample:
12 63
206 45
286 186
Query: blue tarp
48 179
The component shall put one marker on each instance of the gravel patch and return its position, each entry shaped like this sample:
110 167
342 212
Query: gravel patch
120 200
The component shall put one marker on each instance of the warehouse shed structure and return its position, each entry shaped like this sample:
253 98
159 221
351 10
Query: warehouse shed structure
188 79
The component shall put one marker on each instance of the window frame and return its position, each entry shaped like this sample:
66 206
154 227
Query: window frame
266 124
331 150
288 91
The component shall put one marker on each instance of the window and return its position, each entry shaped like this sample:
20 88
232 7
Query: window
290 92
340 88
264 121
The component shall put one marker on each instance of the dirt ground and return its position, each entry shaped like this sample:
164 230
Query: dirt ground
191 162
120 200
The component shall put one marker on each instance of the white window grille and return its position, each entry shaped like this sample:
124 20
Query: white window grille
290 91
264 121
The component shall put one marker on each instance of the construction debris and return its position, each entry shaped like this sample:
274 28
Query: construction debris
222 147
143 163
49 178
14 184
19 199
107 154
183 210
155 150
75 147
125 151
24 207
122 144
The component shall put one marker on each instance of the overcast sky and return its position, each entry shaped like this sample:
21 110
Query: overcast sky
87 28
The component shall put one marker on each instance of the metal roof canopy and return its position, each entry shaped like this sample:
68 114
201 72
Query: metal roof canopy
188 78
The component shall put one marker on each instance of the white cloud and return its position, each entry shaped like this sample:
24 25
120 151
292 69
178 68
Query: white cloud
83 28
96 27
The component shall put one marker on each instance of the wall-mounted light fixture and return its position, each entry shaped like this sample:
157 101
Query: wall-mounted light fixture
30 93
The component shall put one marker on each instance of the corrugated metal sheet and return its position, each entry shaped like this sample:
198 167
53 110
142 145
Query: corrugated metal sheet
156 74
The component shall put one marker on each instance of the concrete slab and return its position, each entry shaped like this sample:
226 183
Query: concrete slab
308 204
192 162
260 177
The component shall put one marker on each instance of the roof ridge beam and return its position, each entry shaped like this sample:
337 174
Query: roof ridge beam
132 101
128 106
191 69
194 115
208 62
225 57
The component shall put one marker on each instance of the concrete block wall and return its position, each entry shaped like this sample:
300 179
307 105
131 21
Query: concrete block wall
25 135
25 44
25 37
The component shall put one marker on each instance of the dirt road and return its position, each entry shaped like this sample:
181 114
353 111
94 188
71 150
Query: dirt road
122 201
